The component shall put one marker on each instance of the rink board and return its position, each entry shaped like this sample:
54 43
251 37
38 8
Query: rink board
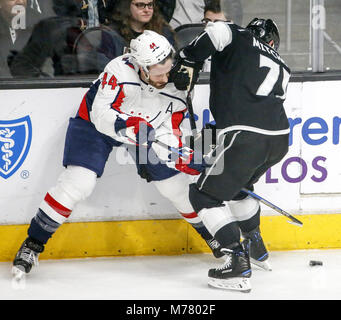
132 215
167 237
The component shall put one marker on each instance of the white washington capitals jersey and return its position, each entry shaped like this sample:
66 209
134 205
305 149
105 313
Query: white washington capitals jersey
119 92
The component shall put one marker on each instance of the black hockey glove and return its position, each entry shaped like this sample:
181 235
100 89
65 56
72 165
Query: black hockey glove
181 59
180 77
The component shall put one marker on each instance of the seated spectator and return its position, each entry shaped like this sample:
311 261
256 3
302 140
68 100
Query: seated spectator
105 9
132 17
96 12
213 12
50 50
16 22
192 11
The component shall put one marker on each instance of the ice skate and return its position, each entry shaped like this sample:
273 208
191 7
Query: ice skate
26 257
258 252
235 272
215 247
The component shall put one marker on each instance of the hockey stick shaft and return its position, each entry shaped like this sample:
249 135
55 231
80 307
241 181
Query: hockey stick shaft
191 113
190 107
250 193
274 207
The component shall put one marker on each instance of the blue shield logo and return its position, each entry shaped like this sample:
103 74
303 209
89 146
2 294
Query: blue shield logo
15 142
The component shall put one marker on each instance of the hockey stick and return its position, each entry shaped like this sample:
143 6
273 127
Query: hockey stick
274 207
190 107
250 193
191 119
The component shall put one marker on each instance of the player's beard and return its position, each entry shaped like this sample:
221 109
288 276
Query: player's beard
157 85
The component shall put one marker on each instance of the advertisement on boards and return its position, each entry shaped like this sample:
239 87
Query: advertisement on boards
32 131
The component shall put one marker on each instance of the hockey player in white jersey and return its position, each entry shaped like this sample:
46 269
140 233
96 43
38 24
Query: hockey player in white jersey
132 103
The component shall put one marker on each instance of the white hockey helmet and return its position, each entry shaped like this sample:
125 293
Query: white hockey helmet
150 48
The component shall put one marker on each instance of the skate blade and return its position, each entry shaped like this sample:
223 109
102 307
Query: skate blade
265 265
233 284
17 273
19 278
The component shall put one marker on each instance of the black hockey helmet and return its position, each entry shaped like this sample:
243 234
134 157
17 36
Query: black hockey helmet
266 30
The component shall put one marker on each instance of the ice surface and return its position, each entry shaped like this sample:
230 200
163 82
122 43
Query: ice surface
175 277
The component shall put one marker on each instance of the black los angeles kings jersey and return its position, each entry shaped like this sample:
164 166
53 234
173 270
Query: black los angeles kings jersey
248 79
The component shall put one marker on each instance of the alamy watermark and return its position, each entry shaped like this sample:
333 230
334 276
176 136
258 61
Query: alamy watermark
170 152
318 21
19 17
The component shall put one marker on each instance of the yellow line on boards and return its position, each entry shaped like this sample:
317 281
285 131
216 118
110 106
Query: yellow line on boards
166 237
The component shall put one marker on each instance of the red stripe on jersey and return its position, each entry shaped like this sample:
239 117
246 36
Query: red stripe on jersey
177 118
56 206
189 215
130 65
118 100
83 110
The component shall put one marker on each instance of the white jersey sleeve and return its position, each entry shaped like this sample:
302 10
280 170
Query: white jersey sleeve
119 89
220 34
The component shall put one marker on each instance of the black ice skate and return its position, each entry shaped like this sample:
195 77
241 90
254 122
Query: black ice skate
234 274
258 252
26 257
215 247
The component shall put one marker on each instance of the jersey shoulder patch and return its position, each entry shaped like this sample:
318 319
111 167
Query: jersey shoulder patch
124 70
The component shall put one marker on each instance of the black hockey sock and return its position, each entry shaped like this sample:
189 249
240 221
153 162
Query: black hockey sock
42 227
202 230
228 235
250 224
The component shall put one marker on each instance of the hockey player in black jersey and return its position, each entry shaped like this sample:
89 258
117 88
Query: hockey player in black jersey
248 84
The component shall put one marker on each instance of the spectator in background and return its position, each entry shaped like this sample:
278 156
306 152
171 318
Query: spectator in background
192 11
17 19
105 8
51 50
132 17
97 12
48 52
212 13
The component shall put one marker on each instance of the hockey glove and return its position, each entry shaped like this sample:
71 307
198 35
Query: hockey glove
137 130
179 75
193 68
185 73
190 162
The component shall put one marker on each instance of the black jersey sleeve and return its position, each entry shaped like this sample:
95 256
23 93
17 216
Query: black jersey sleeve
199 49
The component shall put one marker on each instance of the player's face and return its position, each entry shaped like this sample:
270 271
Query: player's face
142 10
159 73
